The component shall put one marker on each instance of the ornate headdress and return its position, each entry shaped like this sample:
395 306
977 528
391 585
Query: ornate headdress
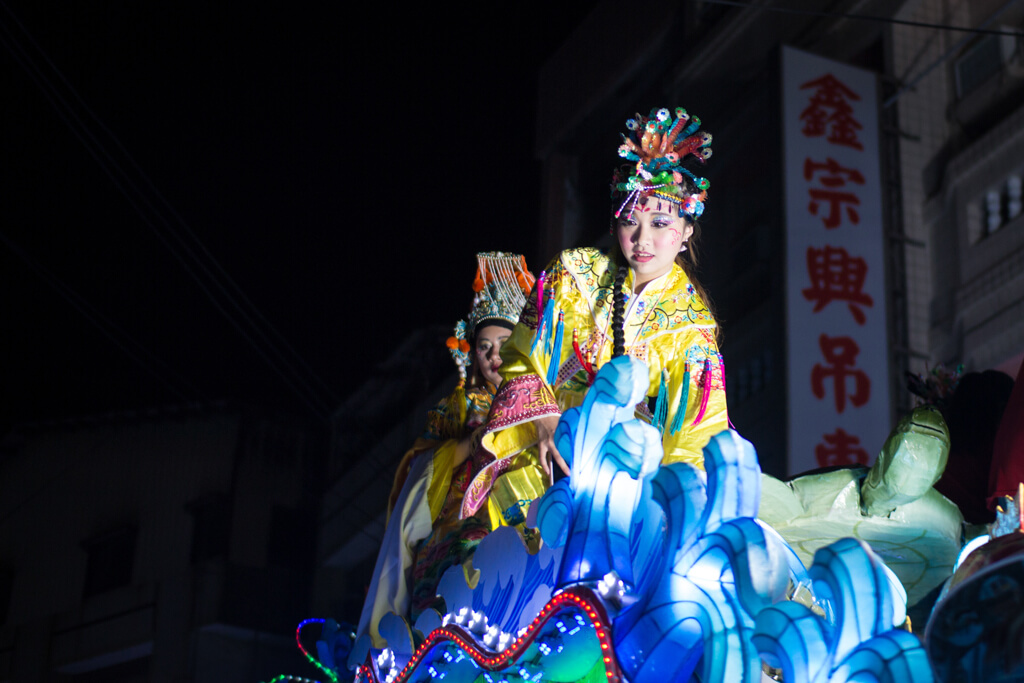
502 284
659 144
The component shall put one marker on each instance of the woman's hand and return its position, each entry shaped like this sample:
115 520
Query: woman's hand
546 450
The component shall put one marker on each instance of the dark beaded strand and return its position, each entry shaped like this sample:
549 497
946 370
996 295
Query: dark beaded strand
619 313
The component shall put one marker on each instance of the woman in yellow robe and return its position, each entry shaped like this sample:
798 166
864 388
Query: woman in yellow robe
642 299
425 533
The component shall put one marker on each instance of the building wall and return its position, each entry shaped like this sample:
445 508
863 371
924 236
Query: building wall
99 522
958 149
952 299
979 311
925 130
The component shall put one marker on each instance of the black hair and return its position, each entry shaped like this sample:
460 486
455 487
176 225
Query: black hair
619 312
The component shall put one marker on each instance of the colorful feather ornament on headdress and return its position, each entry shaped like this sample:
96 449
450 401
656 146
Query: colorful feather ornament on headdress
659 144
502 284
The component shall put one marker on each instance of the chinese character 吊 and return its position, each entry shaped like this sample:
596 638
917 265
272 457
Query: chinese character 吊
837 276
833 176
840 448
840 355
829 109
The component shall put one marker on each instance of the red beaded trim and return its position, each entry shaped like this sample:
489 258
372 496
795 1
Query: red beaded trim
580 597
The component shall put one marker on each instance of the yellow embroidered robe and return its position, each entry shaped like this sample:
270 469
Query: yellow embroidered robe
667 327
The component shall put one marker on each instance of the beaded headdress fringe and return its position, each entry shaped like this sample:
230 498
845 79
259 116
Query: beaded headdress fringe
502 284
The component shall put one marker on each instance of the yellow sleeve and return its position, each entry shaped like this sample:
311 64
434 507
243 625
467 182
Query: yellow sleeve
526 358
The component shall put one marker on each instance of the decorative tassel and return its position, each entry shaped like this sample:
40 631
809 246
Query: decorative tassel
549 313
661 406
546 323
579 356
556 353
540 290
536 337
707 392
684 397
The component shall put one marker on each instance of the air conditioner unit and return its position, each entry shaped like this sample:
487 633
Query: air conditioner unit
983 60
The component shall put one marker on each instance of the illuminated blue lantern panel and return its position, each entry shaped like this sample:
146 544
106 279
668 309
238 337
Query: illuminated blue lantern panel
652 574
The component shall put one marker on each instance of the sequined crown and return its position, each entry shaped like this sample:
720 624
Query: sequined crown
501 284
659 144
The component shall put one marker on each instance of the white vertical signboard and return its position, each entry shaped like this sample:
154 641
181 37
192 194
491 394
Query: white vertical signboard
835 269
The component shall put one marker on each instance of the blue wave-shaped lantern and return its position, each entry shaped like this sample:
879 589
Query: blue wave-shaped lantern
671 577
860 643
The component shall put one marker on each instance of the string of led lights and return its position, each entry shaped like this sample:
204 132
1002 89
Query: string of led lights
313 660
575 597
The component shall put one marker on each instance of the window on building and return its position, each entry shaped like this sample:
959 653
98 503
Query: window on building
982 61
1002 204
111 559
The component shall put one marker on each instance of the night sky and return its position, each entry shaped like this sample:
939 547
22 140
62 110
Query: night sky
340 168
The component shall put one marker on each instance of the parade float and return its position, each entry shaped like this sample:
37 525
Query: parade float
653 574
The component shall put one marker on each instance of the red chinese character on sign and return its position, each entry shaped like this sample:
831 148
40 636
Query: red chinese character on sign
836 173
840 448
840 355
829 109
837 276
833 175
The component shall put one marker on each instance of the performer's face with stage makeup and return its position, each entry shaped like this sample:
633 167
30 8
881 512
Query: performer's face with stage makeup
485 351
650 238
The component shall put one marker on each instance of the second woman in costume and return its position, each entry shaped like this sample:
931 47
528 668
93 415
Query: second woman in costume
425 534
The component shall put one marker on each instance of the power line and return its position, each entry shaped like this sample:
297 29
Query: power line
297 379
95 150
862 17
110 330
909 85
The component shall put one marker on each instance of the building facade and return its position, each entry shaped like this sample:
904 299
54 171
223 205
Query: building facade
949 84
170 545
